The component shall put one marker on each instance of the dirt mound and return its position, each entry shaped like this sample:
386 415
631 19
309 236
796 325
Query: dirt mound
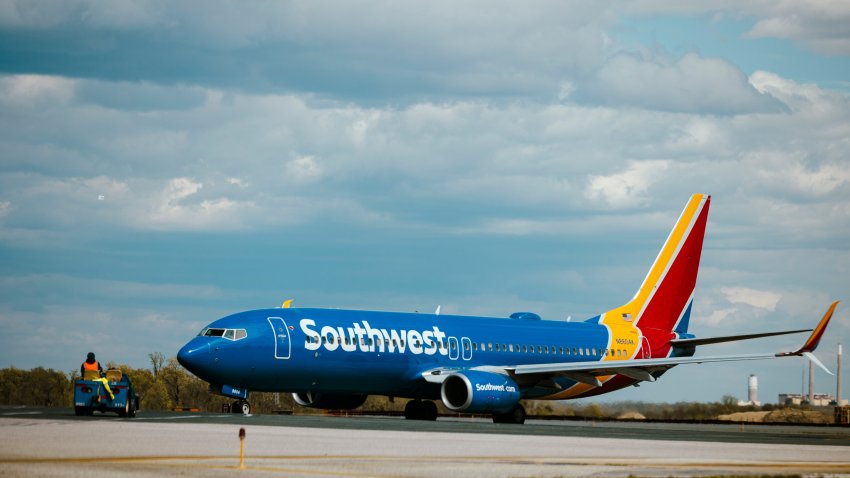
631 416
745 417
784 415
795 415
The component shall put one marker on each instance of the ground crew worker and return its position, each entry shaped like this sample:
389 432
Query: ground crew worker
90 365
91 370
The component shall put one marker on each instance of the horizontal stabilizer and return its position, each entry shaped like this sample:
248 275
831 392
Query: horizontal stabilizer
730 338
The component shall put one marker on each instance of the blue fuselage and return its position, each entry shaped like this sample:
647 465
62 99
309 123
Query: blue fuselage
378 353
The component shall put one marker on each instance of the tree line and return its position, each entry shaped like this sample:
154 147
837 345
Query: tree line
166 385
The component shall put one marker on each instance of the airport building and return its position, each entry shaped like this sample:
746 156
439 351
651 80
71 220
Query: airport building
818 400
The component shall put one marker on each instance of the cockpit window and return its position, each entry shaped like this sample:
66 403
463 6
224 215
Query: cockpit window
229 334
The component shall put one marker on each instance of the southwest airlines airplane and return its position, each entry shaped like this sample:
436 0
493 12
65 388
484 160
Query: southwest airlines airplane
334 359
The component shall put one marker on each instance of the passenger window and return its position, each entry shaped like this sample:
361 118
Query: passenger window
510 347
466 346
539 349
474 345
453 345
490 346
581 351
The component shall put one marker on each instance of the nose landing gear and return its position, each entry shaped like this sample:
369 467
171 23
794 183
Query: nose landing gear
241 406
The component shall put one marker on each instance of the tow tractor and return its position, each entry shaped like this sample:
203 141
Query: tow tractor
114 393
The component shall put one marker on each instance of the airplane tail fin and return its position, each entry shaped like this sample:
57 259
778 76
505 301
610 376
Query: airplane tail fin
662 304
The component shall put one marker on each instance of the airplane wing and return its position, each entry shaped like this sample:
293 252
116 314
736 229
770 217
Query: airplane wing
731 338
639 369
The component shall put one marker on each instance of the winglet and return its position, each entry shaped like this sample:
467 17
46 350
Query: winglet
286 304
814 339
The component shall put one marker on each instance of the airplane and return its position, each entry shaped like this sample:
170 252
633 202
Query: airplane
335 359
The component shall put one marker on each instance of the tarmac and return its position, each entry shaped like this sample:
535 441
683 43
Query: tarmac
53 442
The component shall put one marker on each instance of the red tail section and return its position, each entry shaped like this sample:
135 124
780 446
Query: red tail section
661 307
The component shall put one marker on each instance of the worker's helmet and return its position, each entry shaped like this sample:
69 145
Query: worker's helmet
90 356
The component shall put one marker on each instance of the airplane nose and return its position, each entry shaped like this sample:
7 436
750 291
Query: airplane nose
194 356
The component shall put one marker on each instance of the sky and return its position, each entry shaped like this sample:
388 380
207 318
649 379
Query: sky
164 164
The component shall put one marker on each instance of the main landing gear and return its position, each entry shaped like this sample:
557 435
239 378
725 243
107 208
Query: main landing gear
516 416
420 410
241 406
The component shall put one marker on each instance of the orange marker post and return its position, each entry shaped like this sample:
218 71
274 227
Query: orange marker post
241 448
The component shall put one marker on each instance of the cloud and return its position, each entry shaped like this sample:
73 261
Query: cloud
35 90
334 49
690 84
628 188
821 25
304 169
756 298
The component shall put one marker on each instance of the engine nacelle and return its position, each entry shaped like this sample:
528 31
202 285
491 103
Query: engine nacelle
479 392
329 401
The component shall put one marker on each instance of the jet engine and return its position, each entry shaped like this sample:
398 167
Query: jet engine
473 391
329 401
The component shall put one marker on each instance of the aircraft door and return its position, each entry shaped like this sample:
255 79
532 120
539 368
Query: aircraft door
453 348
466 347
282 342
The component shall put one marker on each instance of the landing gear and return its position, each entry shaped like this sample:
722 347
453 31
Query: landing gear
241 406
420 410
515 416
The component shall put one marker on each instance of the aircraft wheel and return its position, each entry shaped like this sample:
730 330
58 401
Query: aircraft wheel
413 410
79 411
133 407
429 411
515 416
245 408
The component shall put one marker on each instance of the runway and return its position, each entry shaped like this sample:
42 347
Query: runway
52 443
